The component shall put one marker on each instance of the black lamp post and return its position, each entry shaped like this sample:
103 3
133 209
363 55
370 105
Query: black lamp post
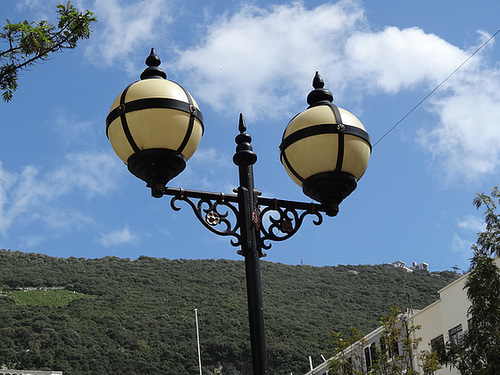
155 126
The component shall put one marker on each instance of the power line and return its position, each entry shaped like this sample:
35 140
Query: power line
436 88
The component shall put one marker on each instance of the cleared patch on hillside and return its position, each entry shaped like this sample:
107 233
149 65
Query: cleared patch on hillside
44 296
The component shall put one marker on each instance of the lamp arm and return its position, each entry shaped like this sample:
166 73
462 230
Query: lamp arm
277 220
207 210
282 219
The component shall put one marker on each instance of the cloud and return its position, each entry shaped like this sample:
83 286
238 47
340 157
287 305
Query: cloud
465 141
117 237
462 247
92 173
260 60
472 223
208 162
462 243
396 59
123 28
32 196
44 9
257 62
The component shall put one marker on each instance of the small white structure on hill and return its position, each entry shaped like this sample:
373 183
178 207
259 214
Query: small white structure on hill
415 266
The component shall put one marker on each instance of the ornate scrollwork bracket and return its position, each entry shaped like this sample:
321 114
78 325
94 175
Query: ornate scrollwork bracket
282 219
217 212
274 220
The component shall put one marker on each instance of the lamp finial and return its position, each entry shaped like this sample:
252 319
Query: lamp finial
320 95
242 127
244 152
153 71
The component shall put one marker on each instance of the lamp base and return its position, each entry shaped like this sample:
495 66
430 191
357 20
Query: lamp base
156 166
330 189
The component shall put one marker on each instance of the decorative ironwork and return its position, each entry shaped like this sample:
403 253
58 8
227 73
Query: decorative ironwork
209 209
282 219
274 220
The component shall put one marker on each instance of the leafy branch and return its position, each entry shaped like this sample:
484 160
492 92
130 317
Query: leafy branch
30 42
478 352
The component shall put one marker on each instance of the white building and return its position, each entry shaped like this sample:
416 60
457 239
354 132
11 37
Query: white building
442 321
415 266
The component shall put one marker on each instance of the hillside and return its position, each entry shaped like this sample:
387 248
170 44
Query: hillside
122 316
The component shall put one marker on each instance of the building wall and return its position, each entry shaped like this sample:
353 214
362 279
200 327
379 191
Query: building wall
448 312
441 316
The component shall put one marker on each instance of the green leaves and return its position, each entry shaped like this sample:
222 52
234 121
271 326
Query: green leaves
488 242
31 42
479 351
398 332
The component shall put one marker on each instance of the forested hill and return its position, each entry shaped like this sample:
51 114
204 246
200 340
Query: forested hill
122 316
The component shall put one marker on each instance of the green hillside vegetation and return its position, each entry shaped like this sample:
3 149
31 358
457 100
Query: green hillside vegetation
122 316
43 296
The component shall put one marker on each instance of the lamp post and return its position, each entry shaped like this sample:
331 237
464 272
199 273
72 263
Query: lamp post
155 126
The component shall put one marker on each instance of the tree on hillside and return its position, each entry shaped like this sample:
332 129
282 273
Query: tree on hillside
30 42
478 352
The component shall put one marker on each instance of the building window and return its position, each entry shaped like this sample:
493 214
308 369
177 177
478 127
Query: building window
373 352
456 335
437 346
368 358
395 347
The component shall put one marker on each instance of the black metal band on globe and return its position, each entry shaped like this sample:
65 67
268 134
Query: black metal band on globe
149 103
324 129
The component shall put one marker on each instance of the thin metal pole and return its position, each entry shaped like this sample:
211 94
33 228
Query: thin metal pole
198 338
244 158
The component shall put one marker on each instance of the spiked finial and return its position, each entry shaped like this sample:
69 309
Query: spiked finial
318 82
244 153
242 127
320 95
153 71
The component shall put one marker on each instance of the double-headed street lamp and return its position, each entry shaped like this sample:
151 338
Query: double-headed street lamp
155 126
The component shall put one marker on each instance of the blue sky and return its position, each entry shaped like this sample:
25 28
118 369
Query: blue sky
63 192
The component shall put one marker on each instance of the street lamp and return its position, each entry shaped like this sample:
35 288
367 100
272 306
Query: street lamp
155 126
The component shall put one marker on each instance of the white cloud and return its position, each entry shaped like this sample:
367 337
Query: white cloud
260 60
395 59
73 132
7 180
465 141
117 237
44 9
462 247
32 196
472 223
207 162
124 28
210 157
462 243
92 173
